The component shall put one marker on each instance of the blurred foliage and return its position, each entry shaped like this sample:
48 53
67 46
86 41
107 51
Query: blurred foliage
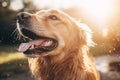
15 67
6 28
8 20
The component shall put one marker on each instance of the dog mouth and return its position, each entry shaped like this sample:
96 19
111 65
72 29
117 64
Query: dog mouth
37 44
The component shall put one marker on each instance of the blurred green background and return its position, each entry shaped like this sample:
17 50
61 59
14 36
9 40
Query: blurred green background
102 16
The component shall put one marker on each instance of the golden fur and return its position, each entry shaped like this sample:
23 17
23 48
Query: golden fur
70 60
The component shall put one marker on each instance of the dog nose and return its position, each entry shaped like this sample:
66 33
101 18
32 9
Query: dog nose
23 17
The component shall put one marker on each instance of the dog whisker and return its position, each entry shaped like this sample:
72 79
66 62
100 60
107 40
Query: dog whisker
13 33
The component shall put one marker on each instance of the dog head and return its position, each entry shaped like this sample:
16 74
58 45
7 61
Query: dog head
51 32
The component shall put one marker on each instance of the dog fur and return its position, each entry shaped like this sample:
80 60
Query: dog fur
70 60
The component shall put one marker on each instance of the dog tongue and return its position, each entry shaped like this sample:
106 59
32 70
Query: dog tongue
25 46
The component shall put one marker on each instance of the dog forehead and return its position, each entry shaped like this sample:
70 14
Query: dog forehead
53 10
49 11
40 12
46 14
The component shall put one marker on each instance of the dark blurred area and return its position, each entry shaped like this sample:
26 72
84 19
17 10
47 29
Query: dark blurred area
8 20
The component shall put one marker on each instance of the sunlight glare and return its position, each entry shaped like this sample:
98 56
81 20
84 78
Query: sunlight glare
54 3
16 5
105 32
97 9
100 10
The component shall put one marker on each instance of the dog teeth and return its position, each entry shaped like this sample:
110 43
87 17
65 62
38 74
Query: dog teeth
48 43
32 46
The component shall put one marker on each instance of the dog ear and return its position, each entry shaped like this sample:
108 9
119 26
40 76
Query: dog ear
85 35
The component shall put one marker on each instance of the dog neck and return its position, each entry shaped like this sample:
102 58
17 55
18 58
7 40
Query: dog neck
50 68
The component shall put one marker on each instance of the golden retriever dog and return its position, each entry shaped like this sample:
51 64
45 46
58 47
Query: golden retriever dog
58 46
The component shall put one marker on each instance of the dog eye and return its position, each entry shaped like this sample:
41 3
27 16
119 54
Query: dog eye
53 17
